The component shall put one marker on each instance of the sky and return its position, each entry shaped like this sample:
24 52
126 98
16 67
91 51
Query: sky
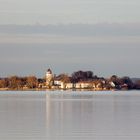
68 11
69 35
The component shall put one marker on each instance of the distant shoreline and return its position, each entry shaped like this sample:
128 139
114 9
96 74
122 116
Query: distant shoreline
36 89
79 80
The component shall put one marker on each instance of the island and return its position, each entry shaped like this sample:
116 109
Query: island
85 80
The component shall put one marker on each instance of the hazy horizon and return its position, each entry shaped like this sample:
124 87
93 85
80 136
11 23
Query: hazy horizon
66 36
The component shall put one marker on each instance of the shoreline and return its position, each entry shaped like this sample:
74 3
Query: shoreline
37 89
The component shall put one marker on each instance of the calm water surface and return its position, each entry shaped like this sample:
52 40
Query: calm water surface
70 115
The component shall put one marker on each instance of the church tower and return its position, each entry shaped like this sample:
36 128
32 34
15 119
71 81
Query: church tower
49 78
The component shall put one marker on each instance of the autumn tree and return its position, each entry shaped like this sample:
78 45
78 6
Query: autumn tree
64 78
14 82
3 83
31 82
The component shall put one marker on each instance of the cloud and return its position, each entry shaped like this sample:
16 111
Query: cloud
71 33
128 29
105 48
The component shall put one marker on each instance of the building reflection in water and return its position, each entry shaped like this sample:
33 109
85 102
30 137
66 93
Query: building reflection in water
54 114
67 114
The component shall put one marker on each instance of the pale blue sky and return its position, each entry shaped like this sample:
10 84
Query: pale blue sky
69 35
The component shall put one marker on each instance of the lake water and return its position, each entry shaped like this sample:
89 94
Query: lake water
67 115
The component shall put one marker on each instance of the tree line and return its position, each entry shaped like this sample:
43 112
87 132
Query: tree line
31 82
16 82
119 82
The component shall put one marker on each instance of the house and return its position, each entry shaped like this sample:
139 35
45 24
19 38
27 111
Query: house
98 84
69 85
77 85
83 84
112 84
57 82
63 81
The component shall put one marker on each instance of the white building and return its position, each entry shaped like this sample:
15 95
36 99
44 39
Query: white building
49 78
82 85
112 84
69 85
